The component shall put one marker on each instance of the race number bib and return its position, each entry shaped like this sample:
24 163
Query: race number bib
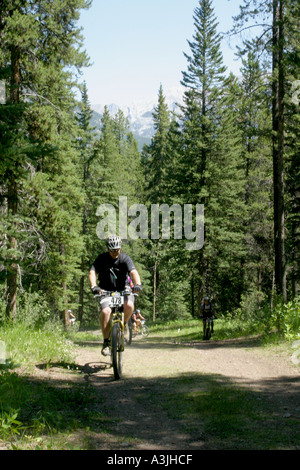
116 301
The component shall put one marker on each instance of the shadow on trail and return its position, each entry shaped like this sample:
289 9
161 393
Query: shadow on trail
88 368
171 343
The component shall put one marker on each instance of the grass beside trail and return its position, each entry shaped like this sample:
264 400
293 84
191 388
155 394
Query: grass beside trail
37 414
188 329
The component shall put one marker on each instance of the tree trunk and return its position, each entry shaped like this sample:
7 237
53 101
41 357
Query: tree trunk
154 290
82 278
12 191
81 290
155 282
278 148
192 295
12 272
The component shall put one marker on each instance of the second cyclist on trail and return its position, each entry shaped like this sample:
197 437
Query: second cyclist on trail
136 319
112 269
207 310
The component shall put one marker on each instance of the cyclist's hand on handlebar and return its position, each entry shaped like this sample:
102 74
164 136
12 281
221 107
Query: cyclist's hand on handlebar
137 288
96 290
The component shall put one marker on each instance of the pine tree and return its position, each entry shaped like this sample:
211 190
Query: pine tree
203 81
272 42
292 142
128 174
278 88
211 165
158 148
156 166
254 122
11 162
38 41
88 158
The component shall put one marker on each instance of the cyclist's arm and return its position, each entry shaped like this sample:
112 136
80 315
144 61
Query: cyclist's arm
93 277
135 277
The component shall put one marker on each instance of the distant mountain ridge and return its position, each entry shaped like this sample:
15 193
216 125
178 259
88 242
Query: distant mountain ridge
139 114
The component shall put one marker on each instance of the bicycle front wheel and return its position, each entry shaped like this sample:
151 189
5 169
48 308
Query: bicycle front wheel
117 350
208 331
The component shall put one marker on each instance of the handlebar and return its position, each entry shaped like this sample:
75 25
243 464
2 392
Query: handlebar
105 293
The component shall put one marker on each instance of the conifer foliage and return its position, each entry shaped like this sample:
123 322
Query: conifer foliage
232 145
40 189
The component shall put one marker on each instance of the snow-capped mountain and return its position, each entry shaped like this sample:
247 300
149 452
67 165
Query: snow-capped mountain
139 113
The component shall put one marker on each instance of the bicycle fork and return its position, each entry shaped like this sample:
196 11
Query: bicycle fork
116 319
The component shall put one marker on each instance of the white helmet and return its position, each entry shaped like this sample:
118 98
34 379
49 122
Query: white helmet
113 242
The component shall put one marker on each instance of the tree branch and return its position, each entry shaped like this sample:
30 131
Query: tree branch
43 98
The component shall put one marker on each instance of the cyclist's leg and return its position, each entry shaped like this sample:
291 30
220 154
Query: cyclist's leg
128 307
104 321
204 327
105 327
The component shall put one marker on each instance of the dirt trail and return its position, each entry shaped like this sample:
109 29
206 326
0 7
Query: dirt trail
151 368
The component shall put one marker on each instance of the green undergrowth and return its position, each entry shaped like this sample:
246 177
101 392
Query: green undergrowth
26 346
188 329
31 410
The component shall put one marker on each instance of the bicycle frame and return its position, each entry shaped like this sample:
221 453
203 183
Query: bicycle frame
117 317
207 326
116 301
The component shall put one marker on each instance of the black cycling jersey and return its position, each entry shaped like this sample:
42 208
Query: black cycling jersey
113 273
207 310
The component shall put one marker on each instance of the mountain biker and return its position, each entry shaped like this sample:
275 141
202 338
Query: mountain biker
207 310
113 268
71 317
135 318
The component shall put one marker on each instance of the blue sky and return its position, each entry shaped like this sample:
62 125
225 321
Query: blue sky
135 45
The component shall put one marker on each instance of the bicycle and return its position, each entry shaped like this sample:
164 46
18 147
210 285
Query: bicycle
141 329
117 328
74 325
208 322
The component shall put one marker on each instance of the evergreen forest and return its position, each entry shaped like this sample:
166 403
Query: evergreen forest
232 145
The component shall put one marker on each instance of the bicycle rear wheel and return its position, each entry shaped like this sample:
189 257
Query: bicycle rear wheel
117 350
128 332
145 330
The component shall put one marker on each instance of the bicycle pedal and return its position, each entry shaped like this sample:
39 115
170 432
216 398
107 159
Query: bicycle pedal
106 351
